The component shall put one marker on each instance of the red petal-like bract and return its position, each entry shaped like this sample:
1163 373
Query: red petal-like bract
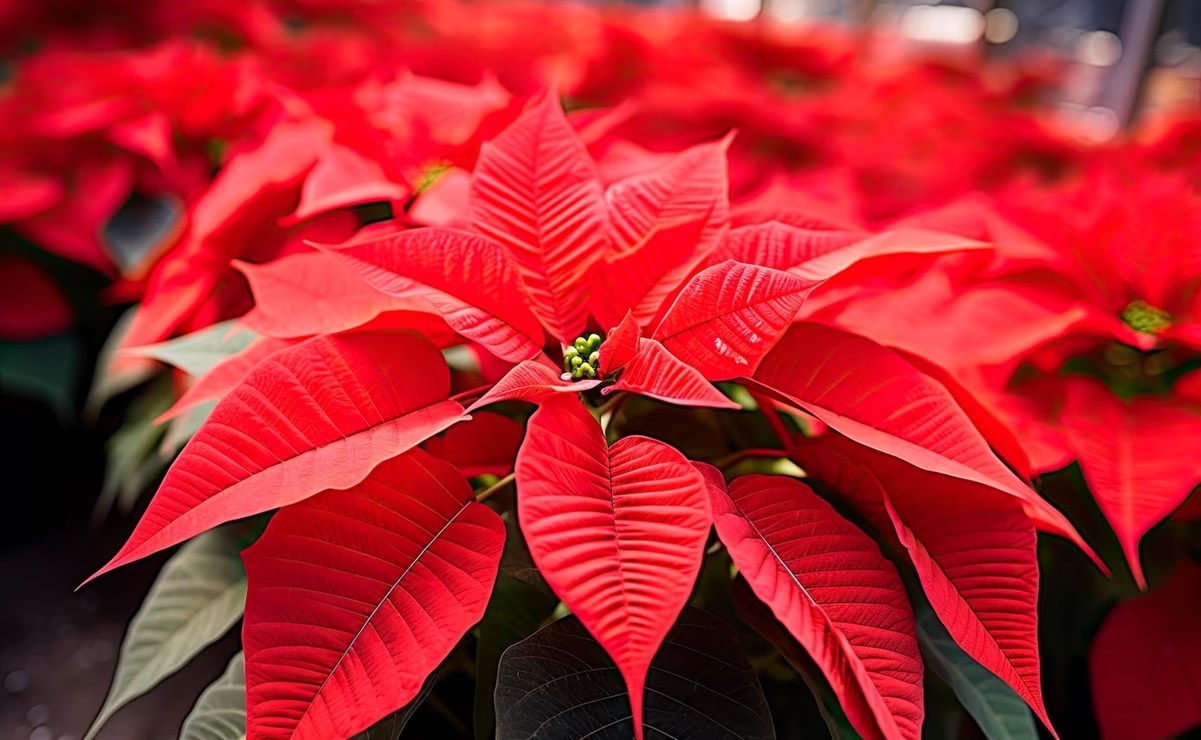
470 279
1138 457
1145 662
618 533
311 293
657 373
486 445
531 381
621 345
318 415
355 596
873 396
729 316
829 584
781 246
342 178
535 189
638 282
972 548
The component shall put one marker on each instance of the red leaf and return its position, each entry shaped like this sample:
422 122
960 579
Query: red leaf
486 445
342 178
870 394
310 293
535 189
781 246
531 381
620 346
898 242
471 280
355 596
694 184
318 415
225 376
828 583
972 548
729 315
31 304
657 373
639 281
1146 659
618 533
1138 457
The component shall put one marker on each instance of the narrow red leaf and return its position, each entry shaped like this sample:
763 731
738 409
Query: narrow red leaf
1138 457
829 584
870 394
318 415
897 242
781 246
486 445
354 597
619 533
1145 662
657 373
621 345
535 190
639 281
531 381
311 293
729 315
973 549
470 279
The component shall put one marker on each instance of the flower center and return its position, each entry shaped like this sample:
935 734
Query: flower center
1143 317
582 358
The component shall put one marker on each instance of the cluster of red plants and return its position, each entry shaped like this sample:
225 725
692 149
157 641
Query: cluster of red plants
805 326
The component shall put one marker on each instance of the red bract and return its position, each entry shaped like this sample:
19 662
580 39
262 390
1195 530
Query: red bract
600 303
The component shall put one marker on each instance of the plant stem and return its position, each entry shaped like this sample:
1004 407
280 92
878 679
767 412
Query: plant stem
488 492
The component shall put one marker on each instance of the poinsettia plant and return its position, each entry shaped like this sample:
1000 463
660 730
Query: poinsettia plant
692 442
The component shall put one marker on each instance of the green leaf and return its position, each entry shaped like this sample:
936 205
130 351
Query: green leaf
198 596
220 712
181 428
515 612
45 369
390 727
107 381
133 459
1000 712
200 352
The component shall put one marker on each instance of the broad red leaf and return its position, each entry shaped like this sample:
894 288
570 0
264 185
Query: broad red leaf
225 376
729 315
694 184
618 533
781 246
639 281
1145 662
898 242
972 547
31 304
535 189
355 596
318 415
531 381
486 445
342 178
657 373
470 279
620 345
1138 457
870 394
311 293
828 583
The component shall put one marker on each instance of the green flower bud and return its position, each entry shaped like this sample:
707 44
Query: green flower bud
581 345
594 359
594 341
576 361
586 370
